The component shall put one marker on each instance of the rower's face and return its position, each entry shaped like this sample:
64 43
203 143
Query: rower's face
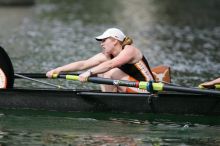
107 45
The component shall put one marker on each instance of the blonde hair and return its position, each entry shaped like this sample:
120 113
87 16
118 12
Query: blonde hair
126 41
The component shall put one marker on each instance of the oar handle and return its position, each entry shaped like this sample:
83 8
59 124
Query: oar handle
141 85
149 86
102 80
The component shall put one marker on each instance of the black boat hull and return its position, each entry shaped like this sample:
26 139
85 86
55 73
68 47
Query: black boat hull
91 101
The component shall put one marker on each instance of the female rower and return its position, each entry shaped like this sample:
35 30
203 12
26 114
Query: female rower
211 84
118 60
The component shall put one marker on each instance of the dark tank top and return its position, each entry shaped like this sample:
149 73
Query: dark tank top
140 70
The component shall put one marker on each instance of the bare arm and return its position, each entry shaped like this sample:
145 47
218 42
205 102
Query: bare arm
125 56
79 65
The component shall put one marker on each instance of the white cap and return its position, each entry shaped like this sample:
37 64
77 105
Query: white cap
112 32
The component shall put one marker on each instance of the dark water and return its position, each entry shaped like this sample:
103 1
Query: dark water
54 128
182 34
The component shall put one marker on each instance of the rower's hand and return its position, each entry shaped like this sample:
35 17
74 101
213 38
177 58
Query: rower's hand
50 73
83 77
207 85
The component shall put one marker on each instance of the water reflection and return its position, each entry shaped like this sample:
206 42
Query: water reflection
54 128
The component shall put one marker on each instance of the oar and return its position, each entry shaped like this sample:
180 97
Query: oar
100 80
42 82
43 75
32 75
149 86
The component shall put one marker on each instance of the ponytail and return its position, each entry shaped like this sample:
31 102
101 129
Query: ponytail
127 41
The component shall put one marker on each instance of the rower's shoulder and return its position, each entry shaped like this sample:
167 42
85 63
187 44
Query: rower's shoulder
131 48
102 56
